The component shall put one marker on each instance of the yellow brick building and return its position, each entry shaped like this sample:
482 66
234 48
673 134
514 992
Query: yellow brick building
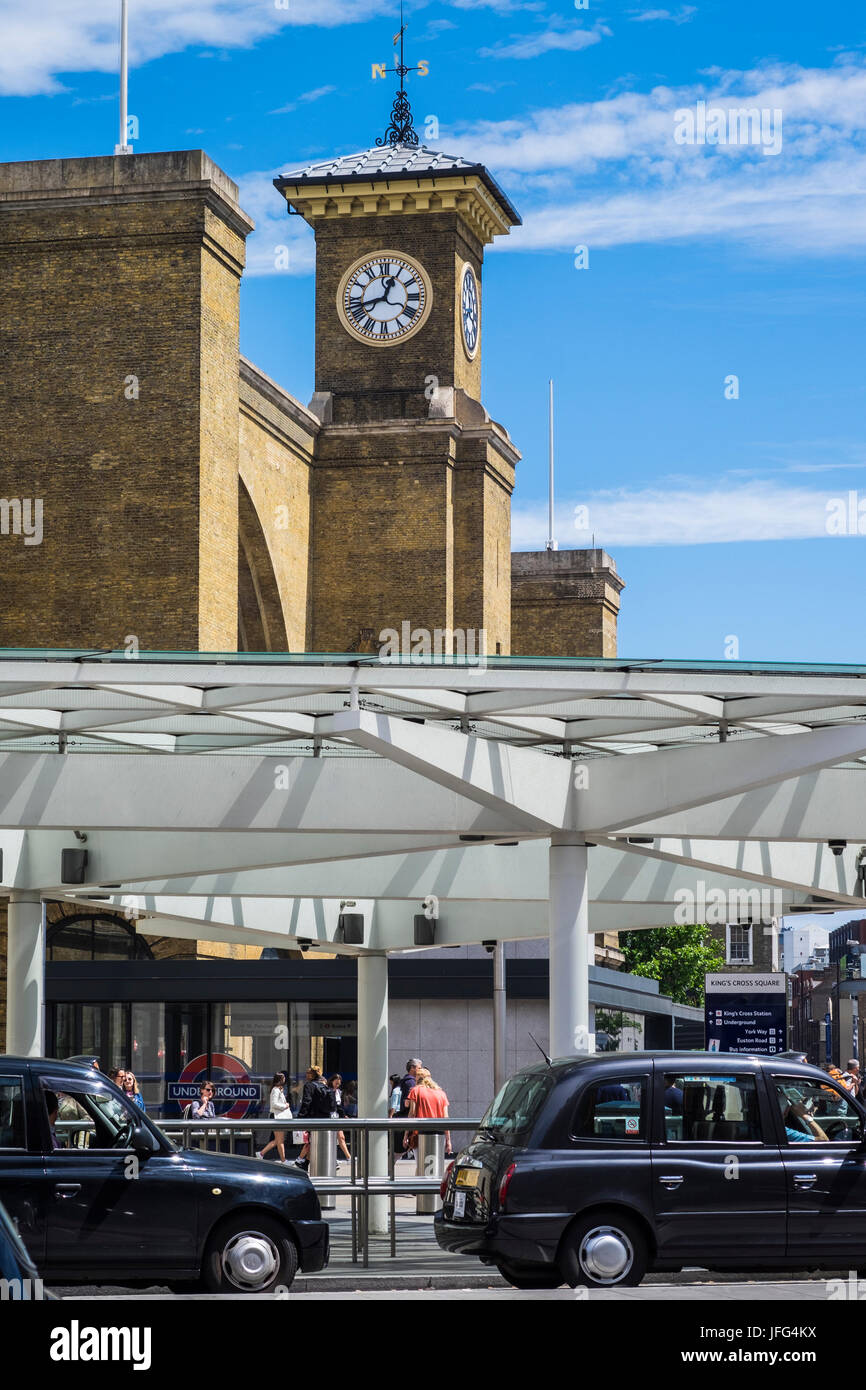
187 501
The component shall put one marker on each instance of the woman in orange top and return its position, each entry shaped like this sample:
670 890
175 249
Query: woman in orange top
427 1101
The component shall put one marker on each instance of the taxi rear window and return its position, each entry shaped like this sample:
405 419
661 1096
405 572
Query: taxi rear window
717 1109
516 1108
614 1108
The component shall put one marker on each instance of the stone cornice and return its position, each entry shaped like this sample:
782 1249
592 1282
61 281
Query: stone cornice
465 194
54 184
491 434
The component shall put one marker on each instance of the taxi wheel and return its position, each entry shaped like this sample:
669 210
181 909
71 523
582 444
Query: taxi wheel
604 1249
532 1278
250 1253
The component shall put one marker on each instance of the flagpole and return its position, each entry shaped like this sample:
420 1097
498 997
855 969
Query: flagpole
551 542
122 147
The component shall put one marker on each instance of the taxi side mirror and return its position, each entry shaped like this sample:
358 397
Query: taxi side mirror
142 1142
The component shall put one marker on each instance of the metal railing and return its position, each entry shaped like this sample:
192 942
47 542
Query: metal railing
360 1186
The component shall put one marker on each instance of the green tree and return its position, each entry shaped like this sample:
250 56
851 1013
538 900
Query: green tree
678 957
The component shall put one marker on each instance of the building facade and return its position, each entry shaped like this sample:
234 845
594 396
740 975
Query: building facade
163 493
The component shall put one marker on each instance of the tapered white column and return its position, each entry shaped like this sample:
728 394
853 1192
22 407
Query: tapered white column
500 1017
25 977
373 1069
569 947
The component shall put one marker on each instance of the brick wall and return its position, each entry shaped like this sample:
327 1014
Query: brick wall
114 269
564 603
277 437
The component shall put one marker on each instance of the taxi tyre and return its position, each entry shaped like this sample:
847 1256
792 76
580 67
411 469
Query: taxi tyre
532 1277
588 1244
268 1239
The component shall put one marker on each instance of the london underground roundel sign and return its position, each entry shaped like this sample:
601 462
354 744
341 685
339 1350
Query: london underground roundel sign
234 1086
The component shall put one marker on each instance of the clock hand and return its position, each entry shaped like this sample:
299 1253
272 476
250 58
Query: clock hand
383 298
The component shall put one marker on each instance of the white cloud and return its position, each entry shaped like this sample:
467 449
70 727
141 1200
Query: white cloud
501 6
681 514
438 26
315 95
56 36
275 230
554 38
71 36
610 173
682 16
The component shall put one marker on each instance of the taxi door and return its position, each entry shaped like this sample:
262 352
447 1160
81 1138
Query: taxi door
109 1212
825 1170
719 1190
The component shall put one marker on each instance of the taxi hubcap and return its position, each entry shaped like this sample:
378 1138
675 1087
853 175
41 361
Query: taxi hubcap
606 1254
250 1260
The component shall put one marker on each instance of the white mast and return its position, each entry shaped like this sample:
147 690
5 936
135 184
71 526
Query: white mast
122 147
552 544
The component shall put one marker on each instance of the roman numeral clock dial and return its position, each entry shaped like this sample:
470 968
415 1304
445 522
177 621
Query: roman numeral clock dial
470 313
384 298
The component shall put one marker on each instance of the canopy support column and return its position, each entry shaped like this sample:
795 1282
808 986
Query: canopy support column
25 977
570 1031
373 1070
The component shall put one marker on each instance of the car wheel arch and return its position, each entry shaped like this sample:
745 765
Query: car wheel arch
243 1209
611 1209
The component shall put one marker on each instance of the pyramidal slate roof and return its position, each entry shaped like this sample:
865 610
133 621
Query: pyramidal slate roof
392 162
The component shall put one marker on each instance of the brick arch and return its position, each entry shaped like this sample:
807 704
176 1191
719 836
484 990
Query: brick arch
261 625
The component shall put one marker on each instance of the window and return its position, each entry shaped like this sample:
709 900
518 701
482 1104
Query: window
517 1106
739 944
613 1109
12 1113
101 937
814 1111
618 1031
79 1119
711 1109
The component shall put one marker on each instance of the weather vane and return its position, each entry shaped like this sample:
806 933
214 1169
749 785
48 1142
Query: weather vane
401 130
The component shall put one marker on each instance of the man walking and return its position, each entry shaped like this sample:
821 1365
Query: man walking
407 1084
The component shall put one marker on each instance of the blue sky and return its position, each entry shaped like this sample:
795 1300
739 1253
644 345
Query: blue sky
705 260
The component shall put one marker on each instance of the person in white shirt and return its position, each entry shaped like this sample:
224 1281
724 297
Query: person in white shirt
280 1110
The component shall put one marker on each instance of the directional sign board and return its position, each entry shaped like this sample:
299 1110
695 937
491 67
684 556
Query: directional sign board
745 1012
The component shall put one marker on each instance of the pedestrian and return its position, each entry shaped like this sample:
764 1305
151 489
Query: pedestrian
350 1100
854 1079
130 1089
279 1109
335 1083
395 1099
315 1105
427 1101
407 1084
202 1109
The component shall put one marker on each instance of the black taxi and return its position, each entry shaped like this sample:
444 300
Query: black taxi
595 1170
99 1194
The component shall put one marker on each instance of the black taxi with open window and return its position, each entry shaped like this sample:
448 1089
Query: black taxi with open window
594 1170
99 1194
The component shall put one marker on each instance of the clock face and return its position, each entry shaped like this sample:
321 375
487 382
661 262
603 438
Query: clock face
470 314
384 298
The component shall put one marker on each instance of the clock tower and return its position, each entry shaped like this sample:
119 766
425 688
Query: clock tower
411 479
